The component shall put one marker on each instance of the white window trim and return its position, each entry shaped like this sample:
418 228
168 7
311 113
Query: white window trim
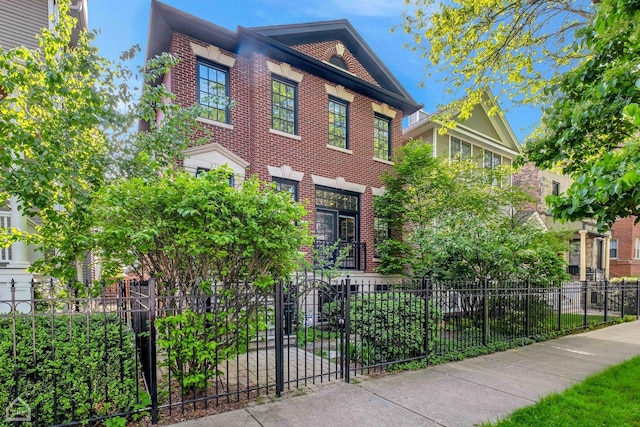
204 120
340 149
213 53
285 172
284 70
636 249
386 162
338 183
285 134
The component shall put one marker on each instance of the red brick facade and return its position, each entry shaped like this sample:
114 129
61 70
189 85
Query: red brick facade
626 233
248 133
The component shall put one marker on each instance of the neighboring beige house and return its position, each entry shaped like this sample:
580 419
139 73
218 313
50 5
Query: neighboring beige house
490 139
589 256
20 22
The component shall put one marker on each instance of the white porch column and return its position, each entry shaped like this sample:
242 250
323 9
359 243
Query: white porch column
607 254
19 255
583 255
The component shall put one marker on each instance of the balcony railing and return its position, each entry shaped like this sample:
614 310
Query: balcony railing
340 255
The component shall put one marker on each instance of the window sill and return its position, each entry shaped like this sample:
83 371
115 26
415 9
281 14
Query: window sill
285 134
340 149
386 162
214 123
377 259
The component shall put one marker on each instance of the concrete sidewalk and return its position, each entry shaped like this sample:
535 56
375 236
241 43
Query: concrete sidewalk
461 393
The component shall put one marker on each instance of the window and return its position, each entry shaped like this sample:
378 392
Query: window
200 171
213 91
459 149
382 138
613 248
555 188
381 233
283 105
338 123
5 222
636 252
491 160
288 186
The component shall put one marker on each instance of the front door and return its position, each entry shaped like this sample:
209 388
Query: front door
337 215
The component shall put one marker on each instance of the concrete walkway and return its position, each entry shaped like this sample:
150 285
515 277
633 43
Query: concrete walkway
461 393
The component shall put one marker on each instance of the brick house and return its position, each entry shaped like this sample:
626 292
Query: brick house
588 257
314 110
20 22
625 248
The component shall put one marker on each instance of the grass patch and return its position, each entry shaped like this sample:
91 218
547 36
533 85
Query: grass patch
576 320
611 398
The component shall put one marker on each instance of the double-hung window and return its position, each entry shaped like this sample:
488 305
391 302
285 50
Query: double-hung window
338 123
491 160
636 252
288 186
613 248
284 95
460 149
213 91
382 137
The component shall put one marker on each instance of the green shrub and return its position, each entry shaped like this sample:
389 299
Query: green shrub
388 326
192 344
509 315
77 366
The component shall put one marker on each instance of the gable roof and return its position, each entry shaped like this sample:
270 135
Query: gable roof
314 32
499 131
275 42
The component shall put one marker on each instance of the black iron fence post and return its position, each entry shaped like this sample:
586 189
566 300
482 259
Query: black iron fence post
637 299
585 290
606 299
427 330
559 290
622 299
527 310
279 303
485 312
347 330
153 380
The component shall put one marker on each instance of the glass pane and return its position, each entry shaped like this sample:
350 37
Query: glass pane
325 229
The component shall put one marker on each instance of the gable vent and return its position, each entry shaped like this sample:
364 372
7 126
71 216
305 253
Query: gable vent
338 62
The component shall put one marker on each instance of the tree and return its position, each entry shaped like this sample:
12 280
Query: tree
215 250
57 101
190 230
462 222
514 47
67 119
592 130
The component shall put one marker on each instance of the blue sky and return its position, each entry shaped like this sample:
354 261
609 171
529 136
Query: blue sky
124 23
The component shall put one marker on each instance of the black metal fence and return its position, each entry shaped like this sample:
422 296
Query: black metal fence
70 356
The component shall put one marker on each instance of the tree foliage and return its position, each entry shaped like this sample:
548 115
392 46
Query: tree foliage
192 230
513 46
58 101
592 129
68 121
462 222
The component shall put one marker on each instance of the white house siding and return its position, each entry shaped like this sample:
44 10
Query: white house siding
20 21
